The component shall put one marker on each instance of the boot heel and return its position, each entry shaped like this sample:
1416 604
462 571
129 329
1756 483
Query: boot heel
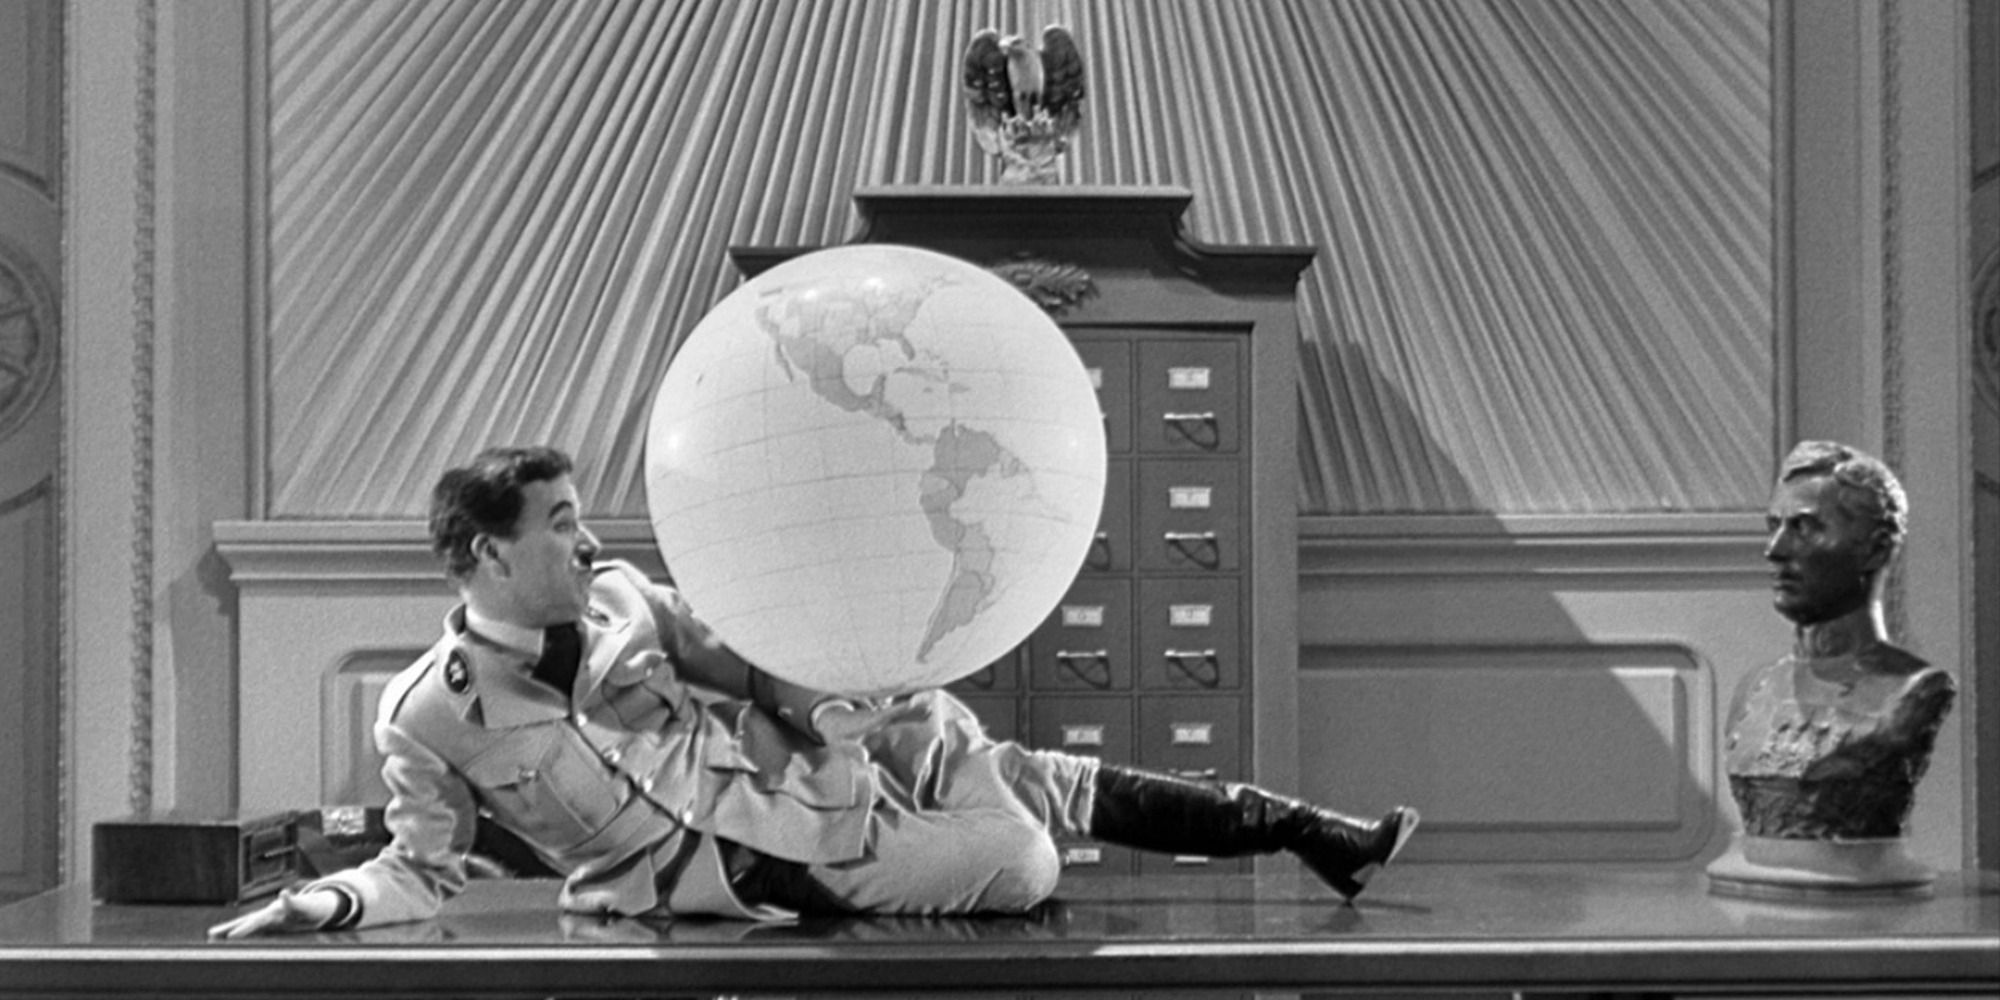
1396 828
1404 828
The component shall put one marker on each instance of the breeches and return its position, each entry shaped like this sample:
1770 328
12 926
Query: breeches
963 823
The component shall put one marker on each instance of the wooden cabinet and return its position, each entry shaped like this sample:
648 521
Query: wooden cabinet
1176 649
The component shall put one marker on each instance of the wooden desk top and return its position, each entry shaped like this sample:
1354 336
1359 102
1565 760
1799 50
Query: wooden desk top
1421 926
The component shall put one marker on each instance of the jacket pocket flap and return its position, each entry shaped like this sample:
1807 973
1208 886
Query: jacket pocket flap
513 761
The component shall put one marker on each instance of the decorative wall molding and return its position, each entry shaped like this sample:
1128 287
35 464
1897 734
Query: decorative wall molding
369 554
144 260
1893 401
1710 546
1891 111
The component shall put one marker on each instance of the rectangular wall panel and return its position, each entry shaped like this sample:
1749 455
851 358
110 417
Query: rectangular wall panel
351 773
28 712
1535 753
30 92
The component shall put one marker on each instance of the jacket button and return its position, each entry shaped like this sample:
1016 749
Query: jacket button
646 783
612 755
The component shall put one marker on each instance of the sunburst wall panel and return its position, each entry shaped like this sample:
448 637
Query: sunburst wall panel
1544 284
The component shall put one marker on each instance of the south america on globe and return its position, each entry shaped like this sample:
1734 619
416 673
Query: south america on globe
874 469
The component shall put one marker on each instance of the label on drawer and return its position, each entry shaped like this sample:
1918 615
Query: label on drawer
1190 615
1188 378
1083 736
1083 616
1096 377
1194 734
1072 856
1190 497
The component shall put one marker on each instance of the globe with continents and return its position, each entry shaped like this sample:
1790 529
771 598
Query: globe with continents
874 469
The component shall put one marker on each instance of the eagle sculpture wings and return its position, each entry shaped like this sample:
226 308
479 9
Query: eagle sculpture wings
1024 101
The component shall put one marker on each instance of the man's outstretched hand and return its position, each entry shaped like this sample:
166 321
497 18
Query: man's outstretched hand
290 913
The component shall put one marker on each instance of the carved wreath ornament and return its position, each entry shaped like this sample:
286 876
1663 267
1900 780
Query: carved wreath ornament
1986 347
1054 286
27 350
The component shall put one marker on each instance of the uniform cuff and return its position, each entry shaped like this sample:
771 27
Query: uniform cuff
347 913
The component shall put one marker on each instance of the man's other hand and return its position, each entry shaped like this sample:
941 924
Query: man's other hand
290 913
841 719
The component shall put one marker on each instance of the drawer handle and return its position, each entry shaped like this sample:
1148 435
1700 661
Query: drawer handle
1200 429
1092 666
1200 665
1100 551
1198 546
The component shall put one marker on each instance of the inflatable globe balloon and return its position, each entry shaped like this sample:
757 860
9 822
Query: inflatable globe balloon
874 469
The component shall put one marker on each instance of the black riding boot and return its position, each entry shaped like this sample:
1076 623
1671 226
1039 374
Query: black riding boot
1158 812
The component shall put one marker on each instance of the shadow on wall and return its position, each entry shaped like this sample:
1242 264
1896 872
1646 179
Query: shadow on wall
1538 694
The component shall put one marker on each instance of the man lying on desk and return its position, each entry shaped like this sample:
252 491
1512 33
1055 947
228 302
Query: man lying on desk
588 711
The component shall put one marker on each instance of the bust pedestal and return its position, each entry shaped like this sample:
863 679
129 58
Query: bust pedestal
1773 867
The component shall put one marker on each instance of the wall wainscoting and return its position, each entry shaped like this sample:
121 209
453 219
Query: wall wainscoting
1544 689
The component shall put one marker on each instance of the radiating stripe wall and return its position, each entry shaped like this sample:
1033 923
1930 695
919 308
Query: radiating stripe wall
1546 226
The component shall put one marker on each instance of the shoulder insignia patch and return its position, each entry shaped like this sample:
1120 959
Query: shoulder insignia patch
456 676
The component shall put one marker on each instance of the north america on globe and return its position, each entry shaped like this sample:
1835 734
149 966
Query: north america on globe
850 345
875 468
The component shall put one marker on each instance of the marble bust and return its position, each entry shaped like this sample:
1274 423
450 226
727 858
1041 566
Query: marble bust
1824 748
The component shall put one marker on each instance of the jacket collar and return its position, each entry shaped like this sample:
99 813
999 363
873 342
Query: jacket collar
502 691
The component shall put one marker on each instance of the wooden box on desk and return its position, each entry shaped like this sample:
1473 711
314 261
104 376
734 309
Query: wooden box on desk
171 858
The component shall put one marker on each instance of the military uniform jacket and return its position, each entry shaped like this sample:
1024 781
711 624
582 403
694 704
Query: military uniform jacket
662 741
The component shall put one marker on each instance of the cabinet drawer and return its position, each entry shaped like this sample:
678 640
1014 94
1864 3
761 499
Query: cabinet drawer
1190 516
1086 643
1200 739
1082 725
1190 396
1109 363
1003 674
1088 727
999 712
1190 634
1195 737
1191 864
1111 551
1089 857
1151 863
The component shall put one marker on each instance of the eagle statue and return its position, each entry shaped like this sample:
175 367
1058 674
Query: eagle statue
1025 102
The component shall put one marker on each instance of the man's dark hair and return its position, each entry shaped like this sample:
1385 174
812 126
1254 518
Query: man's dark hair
1868 490
484 497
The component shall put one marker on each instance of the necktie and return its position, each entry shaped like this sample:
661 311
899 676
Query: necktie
562 650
